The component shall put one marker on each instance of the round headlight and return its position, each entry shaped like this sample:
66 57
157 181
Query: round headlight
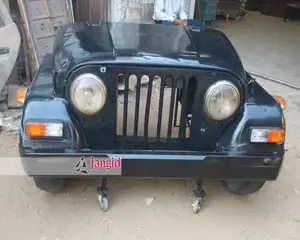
221 100
88 93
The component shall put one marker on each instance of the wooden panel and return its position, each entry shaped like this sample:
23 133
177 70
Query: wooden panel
90 10
42 19
81 10
275 8
197 10
94 10
254 6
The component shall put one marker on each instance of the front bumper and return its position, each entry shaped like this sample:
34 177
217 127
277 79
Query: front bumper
160 165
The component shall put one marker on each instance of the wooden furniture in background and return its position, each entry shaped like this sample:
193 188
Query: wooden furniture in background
290 6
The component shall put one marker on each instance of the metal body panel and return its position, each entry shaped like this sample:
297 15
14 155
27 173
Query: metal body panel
9 44
202 149
155 165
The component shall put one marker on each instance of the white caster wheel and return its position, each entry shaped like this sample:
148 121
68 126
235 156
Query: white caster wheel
103 203
196 206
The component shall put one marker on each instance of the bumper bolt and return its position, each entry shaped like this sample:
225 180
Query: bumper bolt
267 160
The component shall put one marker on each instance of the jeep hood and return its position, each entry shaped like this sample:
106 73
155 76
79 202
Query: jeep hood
146 44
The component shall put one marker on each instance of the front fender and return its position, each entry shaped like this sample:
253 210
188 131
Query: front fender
51 110
261 111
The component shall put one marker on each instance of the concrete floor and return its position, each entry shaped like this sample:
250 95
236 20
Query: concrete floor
266 45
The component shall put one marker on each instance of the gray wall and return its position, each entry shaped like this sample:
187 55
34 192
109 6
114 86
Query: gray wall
138 10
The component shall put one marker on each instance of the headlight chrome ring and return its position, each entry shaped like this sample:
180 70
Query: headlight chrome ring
221 100
88 93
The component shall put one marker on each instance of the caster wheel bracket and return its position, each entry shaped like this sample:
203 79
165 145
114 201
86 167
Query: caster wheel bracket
103 191
199 194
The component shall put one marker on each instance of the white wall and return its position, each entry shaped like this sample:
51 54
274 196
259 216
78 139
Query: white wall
138 10
6 2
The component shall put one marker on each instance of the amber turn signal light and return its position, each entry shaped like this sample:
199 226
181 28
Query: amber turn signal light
281 101
276 136
34 129
20 95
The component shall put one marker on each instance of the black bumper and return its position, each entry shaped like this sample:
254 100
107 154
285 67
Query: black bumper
161 165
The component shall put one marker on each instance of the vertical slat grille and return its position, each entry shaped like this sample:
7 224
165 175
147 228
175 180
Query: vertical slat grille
183 115
125 110
171 111
149 109
147 112
137 108
160 111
